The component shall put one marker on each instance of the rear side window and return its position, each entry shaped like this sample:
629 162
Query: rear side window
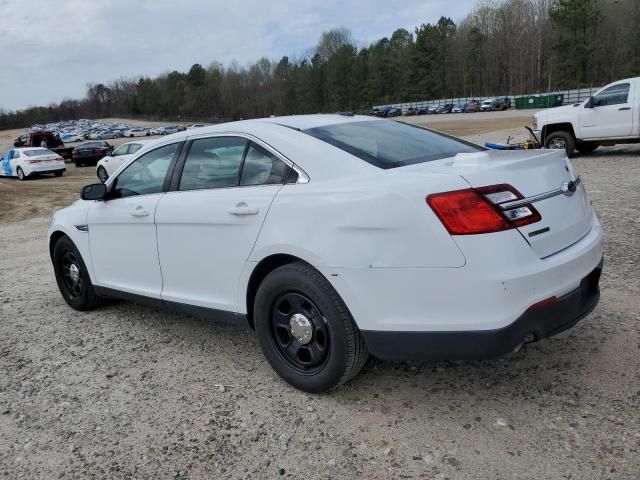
261 167
213 163
390 144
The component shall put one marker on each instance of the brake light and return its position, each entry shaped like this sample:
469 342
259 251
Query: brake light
475 211
34 161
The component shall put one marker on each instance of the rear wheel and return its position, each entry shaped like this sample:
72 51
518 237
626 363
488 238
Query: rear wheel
102 174
306 331
560 140
20 173
586 147
72 276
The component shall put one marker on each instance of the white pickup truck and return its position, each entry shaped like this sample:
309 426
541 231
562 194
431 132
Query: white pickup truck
609 117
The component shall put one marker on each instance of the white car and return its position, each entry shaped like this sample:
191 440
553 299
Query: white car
136 132
25 162
109 164
487 105
335 237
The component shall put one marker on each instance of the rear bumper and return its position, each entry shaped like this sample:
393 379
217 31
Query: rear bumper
533 325
44 169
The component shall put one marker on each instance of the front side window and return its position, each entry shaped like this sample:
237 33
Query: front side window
261 167
614 95
390 144
146 174
213 163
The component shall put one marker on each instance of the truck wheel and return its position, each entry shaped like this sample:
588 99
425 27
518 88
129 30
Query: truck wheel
586 147
306 331
561 140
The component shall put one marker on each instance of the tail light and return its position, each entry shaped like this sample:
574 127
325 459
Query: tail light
34 161
478 210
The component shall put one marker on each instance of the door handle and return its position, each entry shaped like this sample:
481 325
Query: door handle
624 108
243 209
139 211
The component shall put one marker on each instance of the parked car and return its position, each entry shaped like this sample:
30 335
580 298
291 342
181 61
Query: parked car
473 106
105 135
460 108
432 109
487 105
231 239
156 131
72 138
168 130
195 125
411 111
137 132
110 163
88 153
446 108
423 110
609 117
392 112
502 103
30 161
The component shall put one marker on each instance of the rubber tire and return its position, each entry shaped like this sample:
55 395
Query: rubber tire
105 172
58 174
20 173
586 147
88 299
348 351
569 141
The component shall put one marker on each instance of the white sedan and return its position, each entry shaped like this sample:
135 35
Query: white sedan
136 132
26 162
337 237
109 164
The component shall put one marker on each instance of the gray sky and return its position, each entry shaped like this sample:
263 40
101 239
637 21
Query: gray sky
50 49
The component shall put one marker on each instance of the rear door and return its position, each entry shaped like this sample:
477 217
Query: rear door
611 114
208 225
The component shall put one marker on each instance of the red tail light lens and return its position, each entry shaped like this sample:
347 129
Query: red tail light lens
475 211
466 212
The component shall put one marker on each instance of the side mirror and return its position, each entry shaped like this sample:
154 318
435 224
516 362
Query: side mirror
96 191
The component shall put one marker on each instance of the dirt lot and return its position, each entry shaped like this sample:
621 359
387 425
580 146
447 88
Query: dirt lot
127 391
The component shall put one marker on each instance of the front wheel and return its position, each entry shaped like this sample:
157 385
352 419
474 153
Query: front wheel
561 140
306 331
103 176
20 173
72 276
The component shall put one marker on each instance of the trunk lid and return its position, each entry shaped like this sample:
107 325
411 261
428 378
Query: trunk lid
566 217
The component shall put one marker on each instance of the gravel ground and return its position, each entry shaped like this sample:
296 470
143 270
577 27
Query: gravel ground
130 392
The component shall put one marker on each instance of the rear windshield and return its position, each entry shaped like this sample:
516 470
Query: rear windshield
390 144
37 153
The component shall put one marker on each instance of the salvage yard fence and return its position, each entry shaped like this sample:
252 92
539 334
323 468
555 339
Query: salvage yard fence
569 97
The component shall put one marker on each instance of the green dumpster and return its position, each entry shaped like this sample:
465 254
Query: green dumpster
539 101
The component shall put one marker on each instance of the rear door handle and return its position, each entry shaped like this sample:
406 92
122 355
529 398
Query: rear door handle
139 211
624 108
242 209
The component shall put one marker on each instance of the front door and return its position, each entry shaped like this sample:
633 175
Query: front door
208 226
122 232
610 115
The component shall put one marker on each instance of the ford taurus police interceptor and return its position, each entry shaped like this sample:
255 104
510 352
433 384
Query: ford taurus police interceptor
338 237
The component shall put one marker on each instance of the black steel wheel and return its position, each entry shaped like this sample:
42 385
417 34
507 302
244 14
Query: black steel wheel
72 276
299 332
305 330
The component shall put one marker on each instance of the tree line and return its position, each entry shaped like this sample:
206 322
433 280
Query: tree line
501 47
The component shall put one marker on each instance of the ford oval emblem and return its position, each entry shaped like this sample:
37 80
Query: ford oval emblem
568 188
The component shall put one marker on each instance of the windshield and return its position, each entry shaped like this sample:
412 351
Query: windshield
390 144
38 153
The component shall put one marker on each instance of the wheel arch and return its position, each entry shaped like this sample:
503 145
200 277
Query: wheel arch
53 239
263 268
555 127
